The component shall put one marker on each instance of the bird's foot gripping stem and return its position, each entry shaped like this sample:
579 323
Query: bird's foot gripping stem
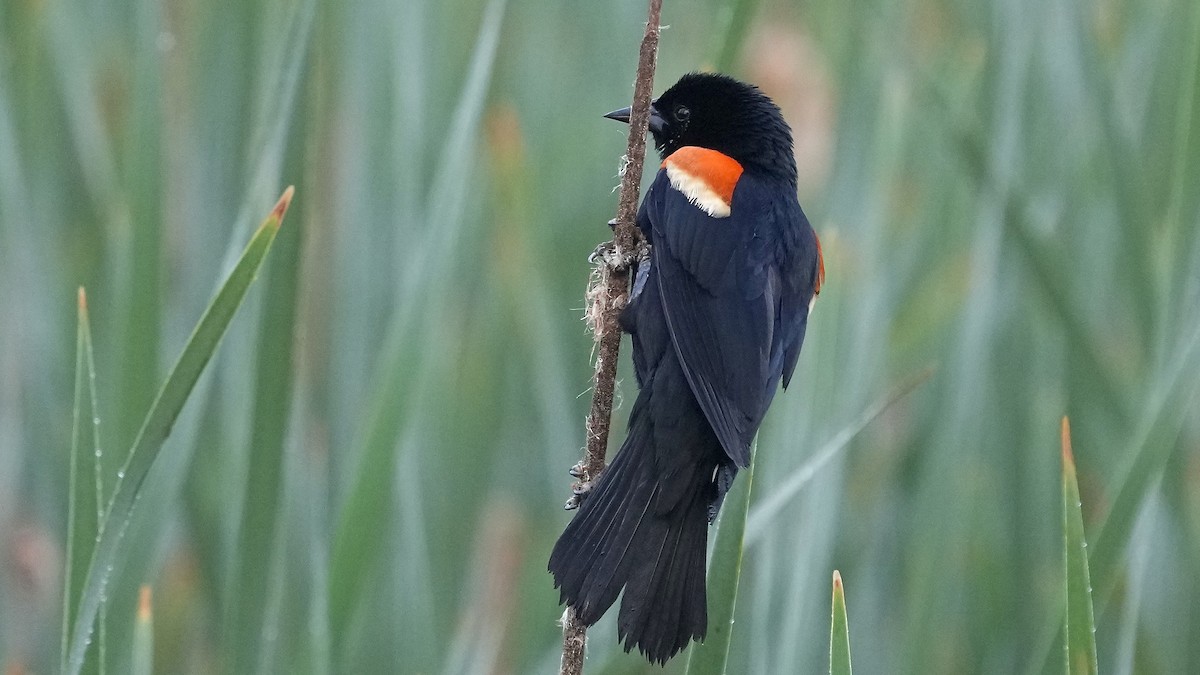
578 470
603 253
581 487
578 492
613 257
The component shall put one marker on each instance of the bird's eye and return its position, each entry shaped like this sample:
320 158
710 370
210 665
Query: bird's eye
682 113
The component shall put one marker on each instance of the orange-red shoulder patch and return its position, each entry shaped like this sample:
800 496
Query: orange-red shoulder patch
707 177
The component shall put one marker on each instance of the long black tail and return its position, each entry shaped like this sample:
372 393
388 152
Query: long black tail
644 527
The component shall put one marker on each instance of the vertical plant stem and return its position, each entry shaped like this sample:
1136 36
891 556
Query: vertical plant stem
611 295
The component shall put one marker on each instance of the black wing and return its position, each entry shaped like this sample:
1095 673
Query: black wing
721 288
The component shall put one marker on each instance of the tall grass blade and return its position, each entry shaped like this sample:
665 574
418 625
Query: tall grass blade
141 277
157 426
1080 626
84 500
1185 155
839 631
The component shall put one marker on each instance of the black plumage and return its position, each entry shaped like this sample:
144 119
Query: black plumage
717 320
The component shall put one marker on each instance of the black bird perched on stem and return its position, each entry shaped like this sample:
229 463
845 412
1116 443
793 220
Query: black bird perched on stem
717 316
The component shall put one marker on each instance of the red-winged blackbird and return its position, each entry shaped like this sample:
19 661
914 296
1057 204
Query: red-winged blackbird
717 317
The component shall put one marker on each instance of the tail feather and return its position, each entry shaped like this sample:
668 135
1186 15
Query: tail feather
611 567
575 556
643 528
605 504
590 562
666 606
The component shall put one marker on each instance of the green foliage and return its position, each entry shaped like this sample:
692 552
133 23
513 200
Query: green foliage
369 476
157 425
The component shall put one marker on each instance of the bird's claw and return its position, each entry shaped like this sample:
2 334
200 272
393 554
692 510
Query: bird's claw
612 257
577 470
579 491
601 253
582 485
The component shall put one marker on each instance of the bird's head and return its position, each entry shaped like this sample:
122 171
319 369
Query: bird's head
715 111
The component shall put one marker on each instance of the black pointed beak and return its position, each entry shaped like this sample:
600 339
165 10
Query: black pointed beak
657 123
621 115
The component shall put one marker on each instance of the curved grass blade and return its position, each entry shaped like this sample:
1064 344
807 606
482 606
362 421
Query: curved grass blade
839 631
772 505
264 504
1080 628
157 425
724 572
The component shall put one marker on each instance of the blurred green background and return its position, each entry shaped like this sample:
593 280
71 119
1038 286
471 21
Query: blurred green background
369 477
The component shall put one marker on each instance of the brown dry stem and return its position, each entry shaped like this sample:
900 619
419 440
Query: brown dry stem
606 300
